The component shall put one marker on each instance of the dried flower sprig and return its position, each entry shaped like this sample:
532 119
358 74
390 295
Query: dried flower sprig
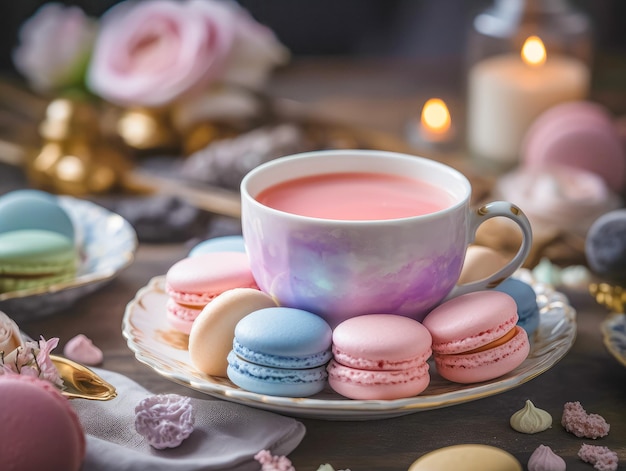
32 359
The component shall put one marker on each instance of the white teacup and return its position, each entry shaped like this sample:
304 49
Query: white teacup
344 268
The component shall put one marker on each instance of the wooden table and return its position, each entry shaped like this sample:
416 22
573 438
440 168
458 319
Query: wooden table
588 373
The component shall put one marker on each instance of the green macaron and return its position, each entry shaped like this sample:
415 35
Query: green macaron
34 258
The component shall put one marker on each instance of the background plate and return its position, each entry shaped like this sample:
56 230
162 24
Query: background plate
148 335
614 333
107 245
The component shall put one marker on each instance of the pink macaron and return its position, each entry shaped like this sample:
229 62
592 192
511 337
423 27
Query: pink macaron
40 429
476 337
193 282
578 134
379 356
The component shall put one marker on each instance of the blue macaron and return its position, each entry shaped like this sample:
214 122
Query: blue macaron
526 300
605 246
232 243
33 209
280 351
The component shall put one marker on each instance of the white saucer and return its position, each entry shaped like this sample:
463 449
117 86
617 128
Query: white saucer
164 350
614 333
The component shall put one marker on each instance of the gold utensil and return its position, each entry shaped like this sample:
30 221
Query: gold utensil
610 296
80 382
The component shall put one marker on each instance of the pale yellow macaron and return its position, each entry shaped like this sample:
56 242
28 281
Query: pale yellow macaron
212 333
480 262
468 457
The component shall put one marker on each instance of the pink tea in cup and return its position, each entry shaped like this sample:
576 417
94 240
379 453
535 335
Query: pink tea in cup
353 196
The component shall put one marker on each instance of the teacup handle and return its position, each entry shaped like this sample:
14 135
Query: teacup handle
477 217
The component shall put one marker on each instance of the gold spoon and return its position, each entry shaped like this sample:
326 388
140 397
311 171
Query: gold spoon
80 382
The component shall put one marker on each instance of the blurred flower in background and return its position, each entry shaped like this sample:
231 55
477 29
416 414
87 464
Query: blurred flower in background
152 53
54 47
159 67
147 53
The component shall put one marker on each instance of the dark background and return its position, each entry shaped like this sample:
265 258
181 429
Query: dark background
405 28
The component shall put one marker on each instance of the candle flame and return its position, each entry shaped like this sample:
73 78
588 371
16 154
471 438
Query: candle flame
533 51
435 116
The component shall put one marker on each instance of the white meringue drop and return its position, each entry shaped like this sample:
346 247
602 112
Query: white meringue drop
531 419
544 459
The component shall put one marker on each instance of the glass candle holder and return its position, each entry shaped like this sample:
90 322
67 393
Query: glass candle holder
524 56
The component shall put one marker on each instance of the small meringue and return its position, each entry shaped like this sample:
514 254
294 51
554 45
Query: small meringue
81 349
576 420
165 420
544 459
601 457
531 419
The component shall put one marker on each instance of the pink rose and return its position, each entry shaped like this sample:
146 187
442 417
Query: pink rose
54 47
256 50
154 52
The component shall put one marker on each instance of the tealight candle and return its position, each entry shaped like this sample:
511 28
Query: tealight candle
507 92
435 125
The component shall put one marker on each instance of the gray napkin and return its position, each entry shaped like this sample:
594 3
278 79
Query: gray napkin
226 436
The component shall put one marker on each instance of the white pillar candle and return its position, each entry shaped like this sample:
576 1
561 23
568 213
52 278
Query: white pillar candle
506 94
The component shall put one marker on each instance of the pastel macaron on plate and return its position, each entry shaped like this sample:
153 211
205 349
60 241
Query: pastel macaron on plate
213 331
105 244
37 241
34 209
526 300
34 258
380 356
155 343
476 337
193 282
232 243
280 351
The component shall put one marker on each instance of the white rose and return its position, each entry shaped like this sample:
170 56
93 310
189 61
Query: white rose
54 47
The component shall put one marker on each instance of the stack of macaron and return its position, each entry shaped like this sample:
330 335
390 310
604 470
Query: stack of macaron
193 282
37 241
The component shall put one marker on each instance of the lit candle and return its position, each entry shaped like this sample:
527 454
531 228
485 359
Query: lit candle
506 93
435 125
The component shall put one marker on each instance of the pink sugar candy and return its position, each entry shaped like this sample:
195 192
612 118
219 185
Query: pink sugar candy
270 462
600 457
544 459
82 350
577 421
165 420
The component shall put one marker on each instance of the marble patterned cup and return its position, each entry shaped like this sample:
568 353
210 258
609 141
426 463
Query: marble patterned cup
341 269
